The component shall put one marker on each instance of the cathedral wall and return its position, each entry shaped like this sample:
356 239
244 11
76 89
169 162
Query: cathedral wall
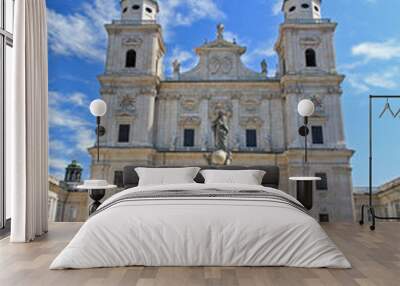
192 105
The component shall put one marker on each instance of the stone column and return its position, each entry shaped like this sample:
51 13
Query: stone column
172 130
145 118
265 113
235 136
205 126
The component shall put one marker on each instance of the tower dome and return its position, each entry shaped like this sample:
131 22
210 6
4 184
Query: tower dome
139 10
302 9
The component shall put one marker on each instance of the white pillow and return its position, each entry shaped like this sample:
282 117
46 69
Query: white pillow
247 177
166 176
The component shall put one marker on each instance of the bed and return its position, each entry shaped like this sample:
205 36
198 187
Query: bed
197 224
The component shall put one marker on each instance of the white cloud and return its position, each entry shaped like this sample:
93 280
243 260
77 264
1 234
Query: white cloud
378 50
357 84
263 51
79 99
187 59
58 146
58 164
85 138
276 8
388 79
76 99
233 37
81 34
70 121
74 133
174 13
59 117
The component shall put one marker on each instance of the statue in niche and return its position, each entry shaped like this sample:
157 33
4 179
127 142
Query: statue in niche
176 66
316 99
264 67
220 31
127 105
221 131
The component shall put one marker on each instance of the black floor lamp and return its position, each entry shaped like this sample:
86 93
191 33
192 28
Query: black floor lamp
370 208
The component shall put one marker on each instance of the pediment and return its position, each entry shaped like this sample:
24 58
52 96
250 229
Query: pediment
222 45
219 60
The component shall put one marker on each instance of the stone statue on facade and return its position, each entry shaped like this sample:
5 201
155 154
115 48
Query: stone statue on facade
221 131
127 104
176 66
264 67
220 31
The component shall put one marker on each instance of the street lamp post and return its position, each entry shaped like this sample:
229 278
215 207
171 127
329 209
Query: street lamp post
98 108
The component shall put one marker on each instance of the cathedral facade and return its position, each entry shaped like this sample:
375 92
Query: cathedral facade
153 120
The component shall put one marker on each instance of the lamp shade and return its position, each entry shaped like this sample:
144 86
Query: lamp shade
306 108
98 107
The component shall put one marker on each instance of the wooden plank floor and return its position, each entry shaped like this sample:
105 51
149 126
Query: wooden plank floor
375 257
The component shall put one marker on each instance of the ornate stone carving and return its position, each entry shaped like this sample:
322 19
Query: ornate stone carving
310 41
248 121
236 96
319 107
334 90
220 105
294 88
189 104
189 121
126 105
250 105
148 91
132 41
206 96
107 90
220 65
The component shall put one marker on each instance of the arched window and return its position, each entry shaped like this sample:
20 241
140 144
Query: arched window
311 58
130 59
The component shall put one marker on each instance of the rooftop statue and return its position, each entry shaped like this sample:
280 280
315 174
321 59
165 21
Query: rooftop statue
264 67
220 31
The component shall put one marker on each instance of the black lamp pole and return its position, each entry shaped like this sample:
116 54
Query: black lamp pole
305 140
98 137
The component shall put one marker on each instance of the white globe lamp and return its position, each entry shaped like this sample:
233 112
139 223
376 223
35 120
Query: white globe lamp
306 108
98 107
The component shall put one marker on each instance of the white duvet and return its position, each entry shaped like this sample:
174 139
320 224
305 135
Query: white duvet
200 232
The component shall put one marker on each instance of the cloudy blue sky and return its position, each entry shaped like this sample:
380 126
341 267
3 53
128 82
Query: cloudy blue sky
368 53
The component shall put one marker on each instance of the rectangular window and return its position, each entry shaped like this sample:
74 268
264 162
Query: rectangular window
188 138
324 217
317 135
119 179
123 134
323 184
251 138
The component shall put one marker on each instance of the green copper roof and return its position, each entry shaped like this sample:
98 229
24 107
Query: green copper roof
74 164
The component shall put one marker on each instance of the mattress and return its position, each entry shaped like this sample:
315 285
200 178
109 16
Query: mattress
201 225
